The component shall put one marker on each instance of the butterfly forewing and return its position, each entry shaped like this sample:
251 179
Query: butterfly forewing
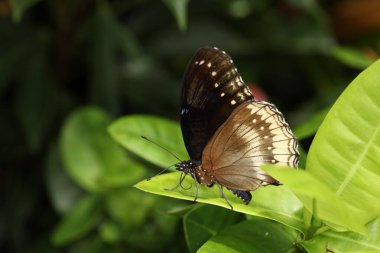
212 88
254 134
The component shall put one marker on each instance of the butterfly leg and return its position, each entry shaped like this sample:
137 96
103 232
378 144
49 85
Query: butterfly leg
224 196
196 187
182 177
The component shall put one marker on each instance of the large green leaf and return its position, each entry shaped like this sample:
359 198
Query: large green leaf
79 221
318 198
261 236
89 154
128 130
347 242
270 202
205 221
346 149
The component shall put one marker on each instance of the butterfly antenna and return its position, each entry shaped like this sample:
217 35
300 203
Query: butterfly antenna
159 173
155 143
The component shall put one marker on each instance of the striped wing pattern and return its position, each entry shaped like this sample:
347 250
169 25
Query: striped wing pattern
254 134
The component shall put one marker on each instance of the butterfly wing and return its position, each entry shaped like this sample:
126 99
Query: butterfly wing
254 134
211 89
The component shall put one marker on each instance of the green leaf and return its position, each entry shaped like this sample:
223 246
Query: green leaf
351 57
345 151
110 232
35 102
311 125
261 236
179 10
128 130
347 242
92 243
91 157
302 157
103 37
318 198
205 221
78 222
270 202
129 207
20 6
63 192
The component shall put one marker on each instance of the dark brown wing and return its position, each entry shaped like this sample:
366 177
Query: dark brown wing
211 89
254 134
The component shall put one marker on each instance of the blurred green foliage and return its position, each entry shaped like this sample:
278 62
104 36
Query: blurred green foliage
68 68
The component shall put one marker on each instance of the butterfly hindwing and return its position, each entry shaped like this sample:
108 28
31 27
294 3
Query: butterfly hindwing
254 134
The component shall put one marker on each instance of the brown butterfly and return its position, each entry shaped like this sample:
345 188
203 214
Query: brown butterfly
228 134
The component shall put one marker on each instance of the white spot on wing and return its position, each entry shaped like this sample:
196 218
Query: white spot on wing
216 85
213 73
233 102
240 95
202 61
184 111
209 64
222 94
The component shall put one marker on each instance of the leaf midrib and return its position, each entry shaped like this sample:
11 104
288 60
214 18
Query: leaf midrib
359 161
349 239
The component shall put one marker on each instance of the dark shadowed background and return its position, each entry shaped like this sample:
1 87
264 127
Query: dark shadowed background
128 57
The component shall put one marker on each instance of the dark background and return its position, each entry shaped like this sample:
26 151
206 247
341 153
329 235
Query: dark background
128 57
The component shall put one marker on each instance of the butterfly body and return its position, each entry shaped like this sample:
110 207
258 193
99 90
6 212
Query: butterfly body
200 174
228 134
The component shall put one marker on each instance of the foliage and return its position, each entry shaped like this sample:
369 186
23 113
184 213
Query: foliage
342 158
80 82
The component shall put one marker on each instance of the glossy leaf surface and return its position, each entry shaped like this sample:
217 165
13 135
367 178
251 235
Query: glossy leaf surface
128 130
271 202
255 236
346 149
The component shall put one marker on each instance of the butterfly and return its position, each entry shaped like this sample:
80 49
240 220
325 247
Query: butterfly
227 132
